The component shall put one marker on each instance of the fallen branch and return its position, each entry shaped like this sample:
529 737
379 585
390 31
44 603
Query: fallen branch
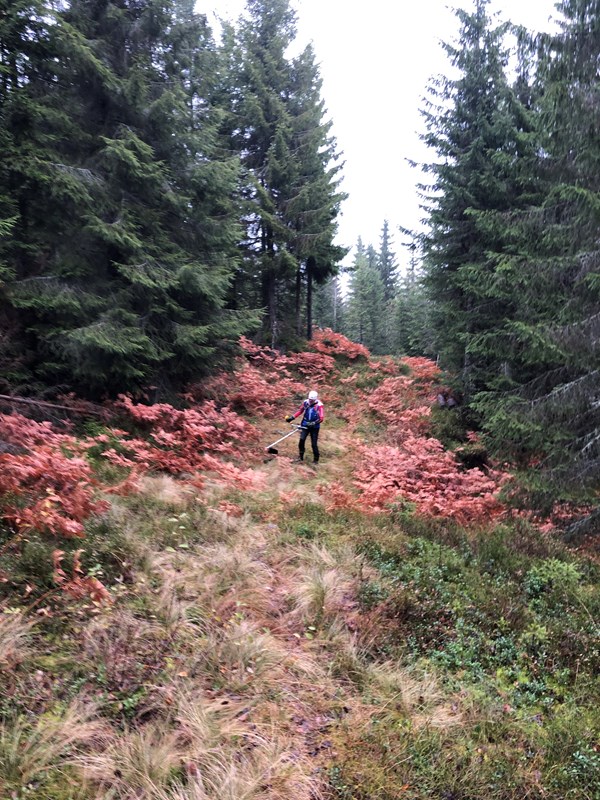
45 404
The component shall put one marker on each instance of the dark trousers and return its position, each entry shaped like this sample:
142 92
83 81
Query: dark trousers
314 436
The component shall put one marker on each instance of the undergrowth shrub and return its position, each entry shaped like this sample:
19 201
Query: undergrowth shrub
552 584
46 484
336 344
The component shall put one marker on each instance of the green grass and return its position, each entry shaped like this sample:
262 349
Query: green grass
510 620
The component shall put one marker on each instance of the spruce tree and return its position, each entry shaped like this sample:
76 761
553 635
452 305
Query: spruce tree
314 198
127 246
387 262
364 319
292 200
329 305
410 311
553 413
486 156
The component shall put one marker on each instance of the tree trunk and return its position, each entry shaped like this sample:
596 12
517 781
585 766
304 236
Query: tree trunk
334 285
268 286
298 303
309 300
270 304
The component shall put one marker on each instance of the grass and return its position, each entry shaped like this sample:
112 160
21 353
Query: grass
15 633
31 750
292 652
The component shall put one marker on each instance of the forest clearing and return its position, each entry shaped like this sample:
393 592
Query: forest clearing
234 625
186 614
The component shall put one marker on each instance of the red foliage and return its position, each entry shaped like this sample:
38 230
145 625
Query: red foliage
422 369
231 509
392 398
317 367
45 483
385 366
335 495
423 473
413 421
334 344
78 585
255 390
186 441
266 382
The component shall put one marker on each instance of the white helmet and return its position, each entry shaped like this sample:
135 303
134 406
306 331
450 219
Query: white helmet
313 395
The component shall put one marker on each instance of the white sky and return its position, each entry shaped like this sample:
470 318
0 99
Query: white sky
376 58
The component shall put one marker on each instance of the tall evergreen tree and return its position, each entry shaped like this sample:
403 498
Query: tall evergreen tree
277 126
387 262
329 305
125 240
486 153
364 319
410 311
554 409
314 197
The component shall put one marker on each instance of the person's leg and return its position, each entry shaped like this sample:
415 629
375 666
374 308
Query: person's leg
302 443
314 440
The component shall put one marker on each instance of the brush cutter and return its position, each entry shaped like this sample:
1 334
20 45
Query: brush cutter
272 449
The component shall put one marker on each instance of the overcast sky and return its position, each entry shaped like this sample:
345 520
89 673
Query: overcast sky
376 58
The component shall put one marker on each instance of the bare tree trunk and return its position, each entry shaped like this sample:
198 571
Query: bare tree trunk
334 284
309 293
298 302
268 286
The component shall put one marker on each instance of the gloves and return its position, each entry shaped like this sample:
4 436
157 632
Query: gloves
289 418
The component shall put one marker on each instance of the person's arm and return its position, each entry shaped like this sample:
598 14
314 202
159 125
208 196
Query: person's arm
297 413
321 410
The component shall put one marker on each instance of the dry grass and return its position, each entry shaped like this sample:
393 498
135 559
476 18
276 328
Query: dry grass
207 726
243 653
166 490
323 586
124 646
14 636
134 764
217 578
29 751
347 663
320 595
419 697
270 771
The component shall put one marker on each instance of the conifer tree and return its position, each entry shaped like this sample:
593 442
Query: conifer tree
485 149
329 305
277 125
387 262
365 308
124 283
553 412
410 311
314 197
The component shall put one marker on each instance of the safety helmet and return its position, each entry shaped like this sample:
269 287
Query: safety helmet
313 395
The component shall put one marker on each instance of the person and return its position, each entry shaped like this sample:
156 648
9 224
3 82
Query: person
447 399
313 414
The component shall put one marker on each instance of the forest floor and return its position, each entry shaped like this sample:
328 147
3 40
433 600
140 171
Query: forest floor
301 633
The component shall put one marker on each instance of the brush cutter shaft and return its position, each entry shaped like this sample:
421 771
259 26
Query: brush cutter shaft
295 430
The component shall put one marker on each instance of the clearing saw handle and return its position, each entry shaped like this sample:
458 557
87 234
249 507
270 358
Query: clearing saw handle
295 429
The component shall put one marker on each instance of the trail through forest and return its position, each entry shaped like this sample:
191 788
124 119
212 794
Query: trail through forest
239 626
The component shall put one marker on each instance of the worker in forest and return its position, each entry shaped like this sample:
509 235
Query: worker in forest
447 399
313 413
